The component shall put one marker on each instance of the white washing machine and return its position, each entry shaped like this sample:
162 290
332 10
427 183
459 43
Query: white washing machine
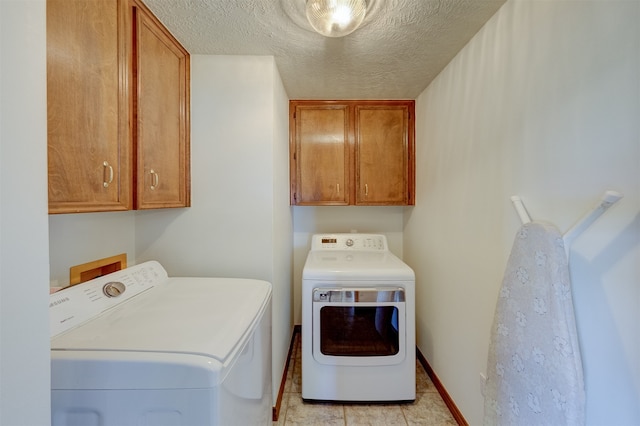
358 321
136 347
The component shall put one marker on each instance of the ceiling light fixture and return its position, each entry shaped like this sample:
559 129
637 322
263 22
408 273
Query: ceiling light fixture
335 18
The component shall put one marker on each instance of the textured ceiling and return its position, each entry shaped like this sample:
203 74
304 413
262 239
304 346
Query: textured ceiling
398 50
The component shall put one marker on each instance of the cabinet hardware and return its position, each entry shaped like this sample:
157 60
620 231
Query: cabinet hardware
107 181
366 190
154 179
338 186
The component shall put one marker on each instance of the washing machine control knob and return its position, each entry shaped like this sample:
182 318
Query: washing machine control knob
349 242
113 289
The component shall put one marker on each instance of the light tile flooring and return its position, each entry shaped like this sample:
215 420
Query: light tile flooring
427 410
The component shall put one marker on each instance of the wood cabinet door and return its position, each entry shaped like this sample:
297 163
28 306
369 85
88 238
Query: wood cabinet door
383 154
161 79
87 108
319 154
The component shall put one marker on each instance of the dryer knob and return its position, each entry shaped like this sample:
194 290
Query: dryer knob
349 242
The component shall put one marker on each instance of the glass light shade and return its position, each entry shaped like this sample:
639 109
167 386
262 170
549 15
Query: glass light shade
336 18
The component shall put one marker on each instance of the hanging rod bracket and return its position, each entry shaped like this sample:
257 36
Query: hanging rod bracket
520 209
608 199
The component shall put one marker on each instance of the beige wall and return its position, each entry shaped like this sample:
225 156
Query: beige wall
542 103
24 259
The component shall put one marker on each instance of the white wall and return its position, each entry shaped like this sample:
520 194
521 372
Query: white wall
309 220
239 224
544 103
75 239
282 243
24 262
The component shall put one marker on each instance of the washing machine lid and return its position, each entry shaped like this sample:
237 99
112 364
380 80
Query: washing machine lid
355 265
197 316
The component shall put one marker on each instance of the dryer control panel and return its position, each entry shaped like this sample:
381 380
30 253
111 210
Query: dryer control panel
356 242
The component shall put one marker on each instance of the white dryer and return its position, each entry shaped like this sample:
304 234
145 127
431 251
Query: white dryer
358 321
139 348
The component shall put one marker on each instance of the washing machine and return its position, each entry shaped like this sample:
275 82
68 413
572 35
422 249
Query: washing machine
358 321
137 347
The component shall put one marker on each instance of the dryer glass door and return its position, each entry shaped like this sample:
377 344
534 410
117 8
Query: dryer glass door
359 326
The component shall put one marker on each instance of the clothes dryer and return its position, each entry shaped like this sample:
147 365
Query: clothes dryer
358 321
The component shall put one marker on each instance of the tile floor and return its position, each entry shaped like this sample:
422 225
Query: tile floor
427 410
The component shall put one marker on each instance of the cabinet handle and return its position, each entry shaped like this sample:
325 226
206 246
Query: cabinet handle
154 179
338 186
106 181
366 190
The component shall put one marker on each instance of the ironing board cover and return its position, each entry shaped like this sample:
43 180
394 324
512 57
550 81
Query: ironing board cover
534 370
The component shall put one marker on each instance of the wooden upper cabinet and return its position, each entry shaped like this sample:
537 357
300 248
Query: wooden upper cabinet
117 109
88 142
384 153
161 77
352 152
320 138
